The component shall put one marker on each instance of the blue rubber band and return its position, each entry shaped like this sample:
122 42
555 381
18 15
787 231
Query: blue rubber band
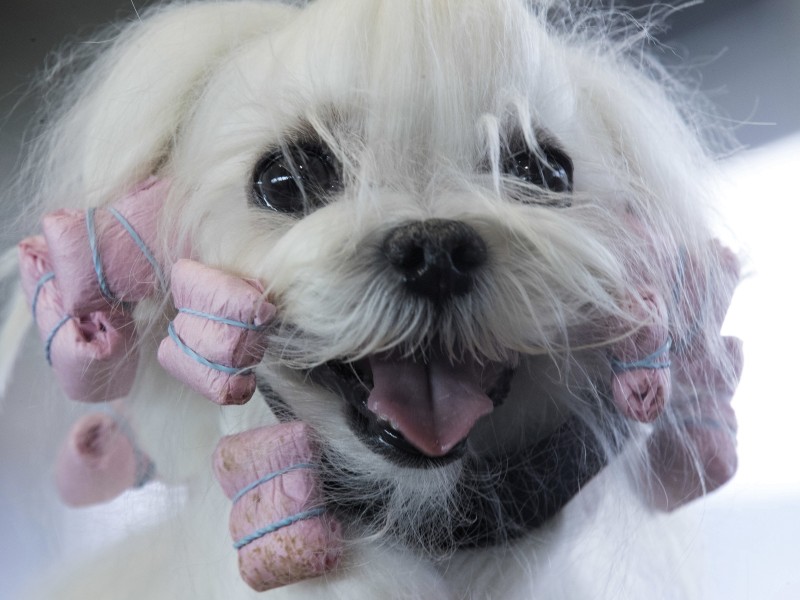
657 360
49 342
39 285
259 533
218 319
142 247
201 359
96 261
270 477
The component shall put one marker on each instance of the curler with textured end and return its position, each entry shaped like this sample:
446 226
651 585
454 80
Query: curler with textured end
640 363
106 255
277 521
218 335
99 461
93 355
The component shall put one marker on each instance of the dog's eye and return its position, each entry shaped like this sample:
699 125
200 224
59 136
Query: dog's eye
296 180
549 168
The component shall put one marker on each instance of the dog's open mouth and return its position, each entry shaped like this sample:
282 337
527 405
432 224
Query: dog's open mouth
418 411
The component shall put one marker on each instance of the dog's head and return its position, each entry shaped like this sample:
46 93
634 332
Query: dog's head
452 206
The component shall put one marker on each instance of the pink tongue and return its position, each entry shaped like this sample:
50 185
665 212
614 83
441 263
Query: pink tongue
434 405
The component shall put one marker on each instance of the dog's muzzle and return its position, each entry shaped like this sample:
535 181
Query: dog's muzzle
417 405
424 404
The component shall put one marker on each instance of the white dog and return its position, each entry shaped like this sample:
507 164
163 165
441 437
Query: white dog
481 302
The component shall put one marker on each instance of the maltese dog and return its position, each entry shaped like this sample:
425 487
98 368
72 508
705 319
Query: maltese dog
410 299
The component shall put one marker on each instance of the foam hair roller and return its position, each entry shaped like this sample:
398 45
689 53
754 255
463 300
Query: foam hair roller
105 255
99 461
640 362
277 520
686 471
218 335
93 355
703 405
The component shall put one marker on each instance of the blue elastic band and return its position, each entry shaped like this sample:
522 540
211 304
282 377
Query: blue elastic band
96 261
39 285
259 533
142 247
657 360
218 319
201 359
49 342
269 477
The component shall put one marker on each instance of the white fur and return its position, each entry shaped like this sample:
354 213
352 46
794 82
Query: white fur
417 99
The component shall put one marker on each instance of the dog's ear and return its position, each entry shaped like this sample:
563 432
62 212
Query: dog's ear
127 107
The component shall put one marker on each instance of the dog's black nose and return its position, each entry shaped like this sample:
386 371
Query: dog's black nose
437 257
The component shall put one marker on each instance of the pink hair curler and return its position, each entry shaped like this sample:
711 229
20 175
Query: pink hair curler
99 461
106 255
93 355
218 335
700 455
277 522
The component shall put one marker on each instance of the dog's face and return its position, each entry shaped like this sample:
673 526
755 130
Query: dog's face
439 200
